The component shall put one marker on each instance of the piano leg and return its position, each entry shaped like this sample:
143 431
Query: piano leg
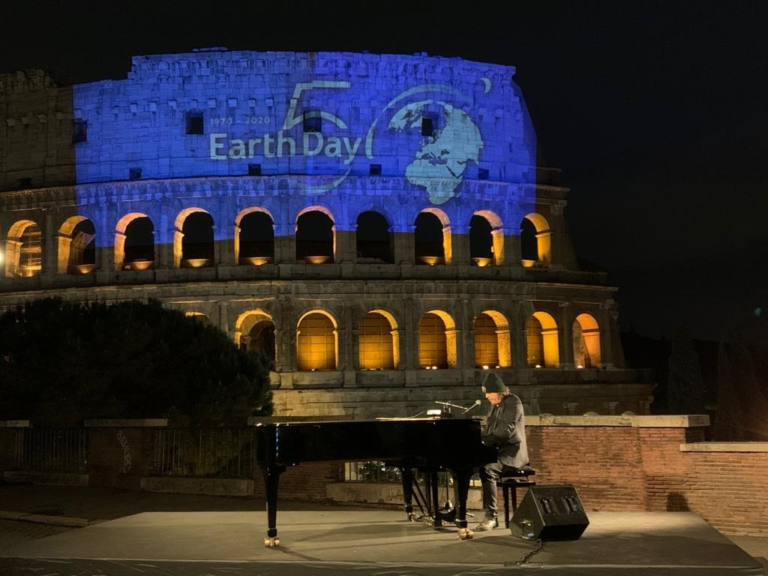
272 482
461 479
434 498
408 480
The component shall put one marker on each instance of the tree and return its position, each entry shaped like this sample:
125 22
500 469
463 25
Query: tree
746 406
727 400
61 363
685 387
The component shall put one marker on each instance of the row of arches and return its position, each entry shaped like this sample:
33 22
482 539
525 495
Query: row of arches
379 338
254 241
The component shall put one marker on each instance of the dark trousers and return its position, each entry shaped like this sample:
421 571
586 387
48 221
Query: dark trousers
489 476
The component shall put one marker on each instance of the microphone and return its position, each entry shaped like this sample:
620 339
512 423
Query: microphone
464 409
449 405
475 405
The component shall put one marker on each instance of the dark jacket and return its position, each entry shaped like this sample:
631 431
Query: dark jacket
506 431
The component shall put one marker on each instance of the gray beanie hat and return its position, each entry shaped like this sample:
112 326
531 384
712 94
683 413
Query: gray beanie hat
493 383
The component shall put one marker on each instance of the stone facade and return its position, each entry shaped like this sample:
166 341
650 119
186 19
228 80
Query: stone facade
231 135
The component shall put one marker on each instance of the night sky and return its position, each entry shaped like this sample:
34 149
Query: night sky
656 112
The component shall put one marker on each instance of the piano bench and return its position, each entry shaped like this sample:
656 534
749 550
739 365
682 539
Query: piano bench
512 479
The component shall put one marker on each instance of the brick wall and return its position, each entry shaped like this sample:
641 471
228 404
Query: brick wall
304 482
726 485
654 463
602 462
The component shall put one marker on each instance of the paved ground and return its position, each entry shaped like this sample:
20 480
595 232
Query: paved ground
15 535
137 528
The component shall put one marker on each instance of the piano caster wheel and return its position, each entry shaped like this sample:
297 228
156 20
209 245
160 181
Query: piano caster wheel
272 542
466 534
412 517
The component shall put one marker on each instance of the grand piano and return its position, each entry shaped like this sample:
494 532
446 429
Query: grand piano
427 444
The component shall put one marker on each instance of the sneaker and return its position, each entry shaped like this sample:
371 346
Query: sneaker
488 523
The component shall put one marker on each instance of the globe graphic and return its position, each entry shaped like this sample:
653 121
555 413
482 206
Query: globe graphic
439 164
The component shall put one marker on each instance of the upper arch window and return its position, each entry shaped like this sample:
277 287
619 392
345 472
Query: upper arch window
255 240
480 241
193 244
535 241
197 243
24 250
586 342
542 341
134 243
486 239
315 237
373 238
76 246
432 238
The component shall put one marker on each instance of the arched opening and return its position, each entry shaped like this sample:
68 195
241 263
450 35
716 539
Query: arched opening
24 250
138 244
586 342
316 342
261 338
76 246
315 238
199 316
429 239
197 250
542 341
486 238
480 241
492 341
255 241
535 241
82 250
256 333
378 342
373 238
437 341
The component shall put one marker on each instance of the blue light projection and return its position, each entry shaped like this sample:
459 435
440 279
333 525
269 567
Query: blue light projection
349 132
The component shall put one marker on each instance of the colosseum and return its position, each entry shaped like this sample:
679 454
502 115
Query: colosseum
376 224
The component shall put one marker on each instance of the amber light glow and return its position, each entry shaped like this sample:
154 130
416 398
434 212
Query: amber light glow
195 262
542 340
586 341
85 268
257 260
140 265
324 259
377 343
316 342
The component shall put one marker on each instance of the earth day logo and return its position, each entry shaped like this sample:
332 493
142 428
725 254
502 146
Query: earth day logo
438 165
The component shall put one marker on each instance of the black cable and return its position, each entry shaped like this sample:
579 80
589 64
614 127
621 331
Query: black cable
525 558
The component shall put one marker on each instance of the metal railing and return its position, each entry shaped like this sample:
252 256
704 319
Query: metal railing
384 473
205 452
51 450
379 472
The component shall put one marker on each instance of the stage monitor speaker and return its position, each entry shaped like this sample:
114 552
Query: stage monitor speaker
550 513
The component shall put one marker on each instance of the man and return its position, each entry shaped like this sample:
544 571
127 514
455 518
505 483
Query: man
505 429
